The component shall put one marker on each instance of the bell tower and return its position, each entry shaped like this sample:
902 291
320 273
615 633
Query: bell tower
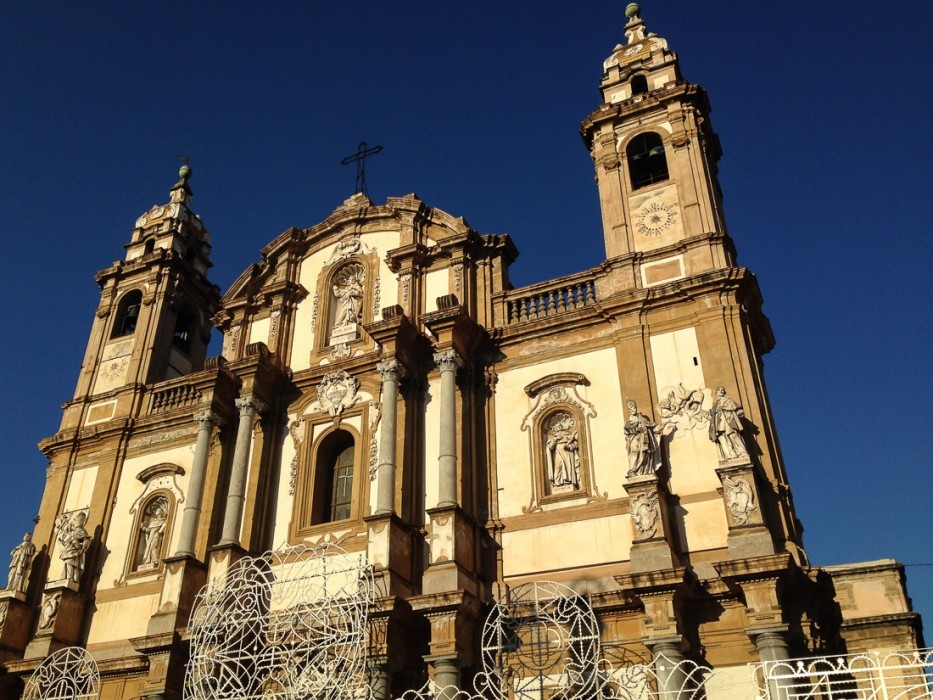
153 321
655 155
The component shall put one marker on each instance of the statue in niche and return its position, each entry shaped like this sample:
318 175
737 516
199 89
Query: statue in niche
20 559
641 442
562 448
348 293
74 542
725 426
152 533
740 499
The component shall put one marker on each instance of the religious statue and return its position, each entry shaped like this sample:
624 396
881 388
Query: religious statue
348 292
725 426
641 443
153 531
20 559
74 542
563 451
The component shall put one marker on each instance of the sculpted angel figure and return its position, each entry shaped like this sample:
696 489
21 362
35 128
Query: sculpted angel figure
640 442
348 291
725 426
74 542
20 559
562 446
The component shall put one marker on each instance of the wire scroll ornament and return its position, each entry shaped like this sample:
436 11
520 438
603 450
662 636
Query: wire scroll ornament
286 624
541 642
68 674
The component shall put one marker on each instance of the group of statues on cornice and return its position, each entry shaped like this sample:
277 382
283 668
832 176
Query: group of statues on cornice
679 410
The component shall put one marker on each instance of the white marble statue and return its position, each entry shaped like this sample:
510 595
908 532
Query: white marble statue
725 426
640 442
20 559
74 542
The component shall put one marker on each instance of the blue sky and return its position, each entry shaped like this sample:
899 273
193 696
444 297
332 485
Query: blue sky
822 108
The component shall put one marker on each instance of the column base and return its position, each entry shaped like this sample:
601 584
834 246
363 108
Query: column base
453 544
184 578
390 548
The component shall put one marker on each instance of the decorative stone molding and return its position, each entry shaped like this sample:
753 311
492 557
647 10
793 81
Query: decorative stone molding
337 392
646 514
349 247
448 361
297 429
682 410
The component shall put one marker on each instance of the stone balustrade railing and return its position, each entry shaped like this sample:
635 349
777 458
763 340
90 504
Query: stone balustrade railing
174 397
544 301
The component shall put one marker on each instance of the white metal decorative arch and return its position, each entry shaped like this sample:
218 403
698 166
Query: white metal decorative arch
68 674
287 624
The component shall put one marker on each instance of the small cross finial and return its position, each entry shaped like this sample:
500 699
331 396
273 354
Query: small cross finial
362 153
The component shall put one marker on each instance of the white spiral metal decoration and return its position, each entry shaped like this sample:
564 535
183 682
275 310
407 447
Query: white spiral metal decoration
68 674
287 624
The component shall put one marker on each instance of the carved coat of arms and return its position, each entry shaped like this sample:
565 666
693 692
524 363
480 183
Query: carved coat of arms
337 392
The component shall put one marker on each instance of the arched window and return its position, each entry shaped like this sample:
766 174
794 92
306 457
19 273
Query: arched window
185 325
639 85
333 483
647 162
149 247
127 314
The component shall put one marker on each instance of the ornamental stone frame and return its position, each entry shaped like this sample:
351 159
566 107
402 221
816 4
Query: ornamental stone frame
558 427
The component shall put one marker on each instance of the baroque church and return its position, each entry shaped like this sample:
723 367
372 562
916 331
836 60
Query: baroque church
403 476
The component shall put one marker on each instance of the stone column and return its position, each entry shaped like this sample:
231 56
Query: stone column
772 647
667 655
192 513
379 681
448 362
236 493
385 496
446 677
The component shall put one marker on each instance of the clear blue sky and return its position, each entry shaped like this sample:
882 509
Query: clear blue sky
823 110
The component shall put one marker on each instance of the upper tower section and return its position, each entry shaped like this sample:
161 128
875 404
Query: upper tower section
153 321
655 155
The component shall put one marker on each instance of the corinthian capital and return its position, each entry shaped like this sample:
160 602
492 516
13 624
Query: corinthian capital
390 370
249 405
206 420
448 361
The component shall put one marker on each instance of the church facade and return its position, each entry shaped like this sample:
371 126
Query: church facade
578 474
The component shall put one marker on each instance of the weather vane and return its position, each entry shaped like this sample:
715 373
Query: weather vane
362 153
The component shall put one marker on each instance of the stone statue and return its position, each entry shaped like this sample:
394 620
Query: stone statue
20 559
348 291
640 442
74 542
725 426
563 451
153 531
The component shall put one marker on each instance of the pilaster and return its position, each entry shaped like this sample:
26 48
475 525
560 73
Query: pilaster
748 536
61 618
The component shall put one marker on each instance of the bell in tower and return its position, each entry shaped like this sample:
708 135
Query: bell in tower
655 155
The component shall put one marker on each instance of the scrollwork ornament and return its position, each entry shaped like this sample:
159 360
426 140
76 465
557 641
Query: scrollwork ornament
448 361
645 513
337 392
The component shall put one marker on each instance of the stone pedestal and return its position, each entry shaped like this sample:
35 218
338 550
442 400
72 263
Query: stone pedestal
61 616
220 558
453 618
16 618
748 535
452 552
652 542
184 577
390 552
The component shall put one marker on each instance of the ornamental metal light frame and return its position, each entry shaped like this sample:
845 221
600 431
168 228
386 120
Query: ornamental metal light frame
284 625
68 674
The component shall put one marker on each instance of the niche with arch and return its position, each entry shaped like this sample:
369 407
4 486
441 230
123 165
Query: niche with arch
646 159
127 315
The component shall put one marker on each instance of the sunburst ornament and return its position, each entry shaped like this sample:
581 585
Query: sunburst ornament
655 218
